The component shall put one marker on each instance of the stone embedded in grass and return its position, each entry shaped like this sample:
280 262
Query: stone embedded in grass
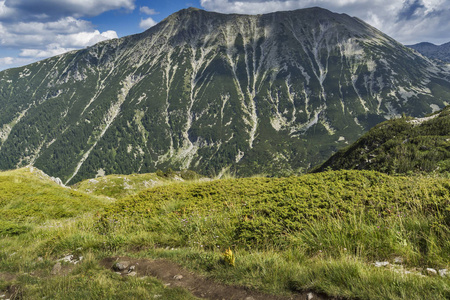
120 266
443 272
381 264
56 268
398 260
431 271
71 259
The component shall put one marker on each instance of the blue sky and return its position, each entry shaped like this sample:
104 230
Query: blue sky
31 30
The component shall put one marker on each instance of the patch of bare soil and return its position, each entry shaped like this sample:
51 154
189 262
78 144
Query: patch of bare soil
174 275
11 291
7 276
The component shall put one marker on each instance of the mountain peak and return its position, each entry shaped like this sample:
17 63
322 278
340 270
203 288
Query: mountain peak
433 51
274 93
315 11
192 24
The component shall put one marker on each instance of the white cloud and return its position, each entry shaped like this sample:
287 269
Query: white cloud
39 29
148 11
5 11
39 40
408 21
55 9
65 43
51 50
65 25
6 60
84 39
67 33
11 62
147 23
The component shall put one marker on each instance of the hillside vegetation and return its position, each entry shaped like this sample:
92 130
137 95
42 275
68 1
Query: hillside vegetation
403 145
318 232
28 196
260 213
118 186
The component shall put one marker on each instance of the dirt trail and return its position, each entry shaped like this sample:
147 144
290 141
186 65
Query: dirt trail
174 275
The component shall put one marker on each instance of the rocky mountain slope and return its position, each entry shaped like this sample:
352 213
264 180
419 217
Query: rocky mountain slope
400 146
430 50
274 93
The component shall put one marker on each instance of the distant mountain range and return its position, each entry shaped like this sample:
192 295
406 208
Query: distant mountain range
275 93
430 50
403 145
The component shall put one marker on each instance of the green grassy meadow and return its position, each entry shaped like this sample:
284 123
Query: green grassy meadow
319 232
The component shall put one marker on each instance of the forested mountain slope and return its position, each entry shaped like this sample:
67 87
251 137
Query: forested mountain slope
274 93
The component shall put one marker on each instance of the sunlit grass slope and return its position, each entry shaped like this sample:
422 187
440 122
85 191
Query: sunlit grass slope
318 232
368 213
118 186
28 196
41 221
